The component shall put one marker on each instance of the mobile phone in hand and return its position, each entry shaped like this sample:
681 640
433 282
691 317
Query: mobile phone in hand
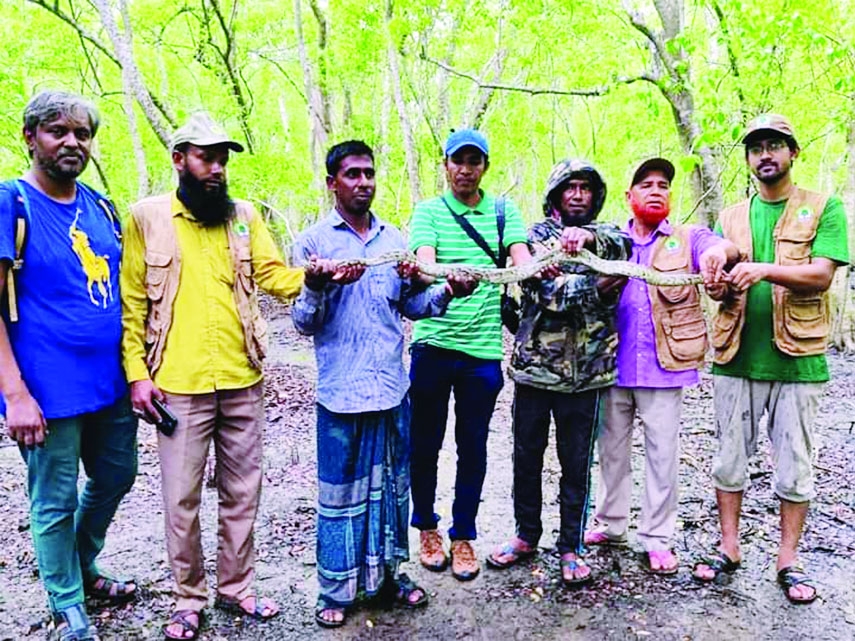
166 420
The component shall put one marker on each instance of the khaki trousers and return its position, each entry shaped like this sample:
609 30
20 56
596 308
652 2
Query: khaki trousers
659 412
234 419
791 409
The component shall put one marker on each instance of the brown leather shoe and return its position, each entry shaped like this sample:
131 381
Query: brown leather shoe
431 554
464 563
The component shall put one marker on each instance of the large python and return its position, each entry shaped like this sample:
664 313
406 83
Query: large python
514 274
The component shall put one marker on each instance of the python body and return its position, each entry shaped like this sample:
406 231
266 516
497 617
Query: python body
515 274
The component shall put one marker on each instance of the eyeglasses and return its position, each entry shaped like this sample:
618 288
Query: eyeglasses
771 146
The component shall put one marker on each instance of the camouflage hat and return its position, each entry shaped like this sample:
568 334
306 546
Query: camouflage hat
202 131
563 171
769 123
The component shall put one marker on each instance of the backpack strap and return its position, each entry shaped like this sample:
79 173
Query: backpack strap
22 216
500 224
478 239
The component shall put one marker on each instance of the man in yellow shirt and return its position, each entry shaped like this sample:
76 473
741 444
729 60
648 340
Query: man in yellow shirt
194 339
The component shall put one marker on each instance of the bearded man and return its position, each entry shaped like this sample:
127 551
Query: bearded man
770 335
62 389
194 339
563 362
662 341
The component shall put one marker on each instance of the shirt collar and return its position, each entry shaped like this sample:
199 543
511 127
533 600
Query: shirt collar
179 209
375 227
487 204
664 228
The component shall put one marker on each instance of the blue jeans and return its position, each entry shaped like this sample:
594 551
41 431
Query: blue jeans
68 532
434 373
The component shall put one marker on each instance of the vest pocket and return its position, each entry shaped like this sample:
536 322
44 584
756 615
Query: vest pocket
686 334
805 317
157 268
674 294
725 322
793 251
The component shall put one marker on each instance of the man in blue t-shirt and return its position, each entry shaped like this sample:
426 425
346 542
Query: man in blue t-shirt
62 387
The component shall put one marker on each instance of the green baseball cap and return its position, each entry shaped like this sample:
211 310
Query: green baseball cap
201 130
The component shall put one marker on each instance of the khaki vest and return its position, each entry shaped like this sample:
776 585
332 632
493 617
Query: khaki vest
154 218
801 321
678 321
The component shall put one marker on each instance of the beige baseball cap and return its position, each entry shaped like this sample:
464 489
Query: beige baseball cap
765 123
201 130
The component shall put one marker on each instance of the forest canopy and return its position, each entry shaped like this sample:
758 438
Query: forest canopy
609 81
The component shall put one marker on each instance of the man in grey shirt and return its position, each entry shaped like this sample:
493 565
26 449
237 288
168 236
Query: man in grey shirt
363 412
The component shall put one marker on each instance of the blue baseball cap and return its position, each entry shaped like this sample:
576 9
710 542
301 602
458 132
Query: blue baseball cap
466 138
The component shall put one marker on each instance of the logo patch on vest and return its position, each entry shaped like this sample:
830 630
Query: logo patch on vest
672 244
804 214
240 228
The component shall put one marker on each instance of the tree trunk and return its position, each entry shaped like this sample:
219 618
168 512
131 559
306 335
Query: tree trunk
843 289
319 126
410 150
159 103
672 76
131 77
123 45
232 75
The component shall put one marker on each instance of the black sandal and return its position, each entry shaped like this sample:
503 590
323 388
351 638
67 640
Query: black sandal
114 591
573 565
323 606
234 607
404 587
792 576
719 563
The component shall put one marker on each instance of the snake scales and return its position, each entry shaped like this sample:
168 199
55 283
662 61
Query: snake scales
523 272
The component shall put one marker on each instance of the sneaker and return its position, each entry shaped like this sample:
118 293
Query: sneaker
431 553
464 563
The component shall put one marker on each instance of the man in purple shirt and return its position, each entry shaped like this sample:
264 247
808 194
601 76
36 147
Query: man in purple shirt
661 343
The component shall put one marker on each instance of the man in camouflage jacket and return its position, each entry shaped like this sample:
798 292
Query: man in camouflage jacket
563 359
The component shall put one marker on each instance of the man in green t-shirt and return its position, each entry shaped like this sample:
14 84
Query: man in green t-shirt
462 351
770 335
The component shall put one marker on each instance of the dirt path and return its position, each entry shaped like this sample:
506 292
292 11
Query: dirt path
521 603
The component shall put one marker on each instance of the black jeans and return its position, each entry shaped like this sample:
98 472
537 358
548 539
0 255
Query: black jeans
576 419
434 373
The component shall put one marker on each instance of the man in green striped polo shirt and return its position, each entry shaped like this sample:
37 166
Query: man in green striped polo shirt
461 351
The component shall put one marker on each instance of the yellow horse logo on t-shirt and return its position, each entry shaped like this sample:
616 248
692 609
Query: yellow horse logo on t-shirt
96 268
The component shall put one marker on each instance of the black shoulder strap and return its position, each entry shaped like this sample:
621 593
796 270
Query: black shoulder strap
477 238
500 224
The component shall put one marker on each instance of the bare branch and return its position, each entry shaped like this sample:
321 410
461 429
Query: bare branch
54 9
540 91
232 73
656 42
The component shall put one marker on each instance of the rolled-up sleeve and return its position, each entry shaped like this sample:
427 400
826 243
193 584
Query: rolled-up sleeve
418 302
